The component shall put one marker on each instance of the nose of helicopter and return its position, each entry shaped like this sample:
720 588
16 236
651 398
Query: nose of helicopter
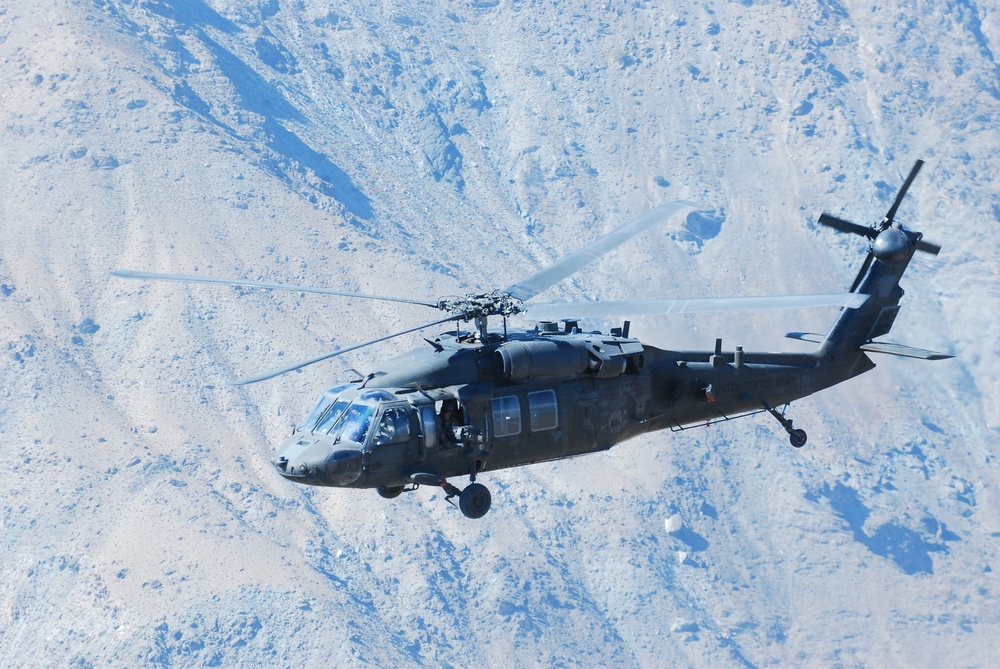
315 461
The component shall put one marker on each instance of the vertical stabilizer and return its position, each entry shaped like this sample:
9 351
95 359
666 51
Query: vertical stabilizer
892 248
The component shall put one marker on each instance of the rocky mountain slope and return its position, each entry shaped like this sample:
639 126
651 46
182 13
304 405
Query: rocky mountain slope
424 149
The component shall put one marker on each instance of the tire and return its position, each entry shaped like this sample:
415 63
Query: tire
475 500
798 438
390 492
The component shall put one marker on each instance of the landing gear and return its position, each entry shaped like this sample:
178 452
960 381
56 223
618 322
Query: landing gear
475 500
796 436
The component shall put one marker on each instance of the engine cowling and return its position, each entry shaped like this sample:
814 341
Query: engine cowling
522 360
603 357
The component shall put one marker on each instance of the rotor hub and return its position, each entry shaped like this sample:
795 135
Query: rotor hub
481 305
891 245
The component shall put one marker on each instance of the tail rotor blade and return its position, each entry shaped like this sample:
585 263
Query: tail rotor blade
841 225
864 270
925 246
902 191
928 247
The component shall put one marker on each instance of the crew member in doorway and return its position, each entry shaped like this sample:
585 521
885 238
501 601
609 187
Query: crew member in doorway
447 423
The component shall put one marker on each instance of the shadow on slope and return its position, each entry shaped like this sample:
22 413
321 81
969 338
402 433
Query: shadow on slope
901 545
262 98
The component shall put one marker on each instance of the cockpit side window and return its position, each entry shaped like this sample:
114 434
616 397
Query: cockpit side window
313 417
394 428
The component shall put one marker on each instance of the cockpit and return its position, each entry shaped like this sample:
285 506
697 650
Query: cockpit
354 430
346 415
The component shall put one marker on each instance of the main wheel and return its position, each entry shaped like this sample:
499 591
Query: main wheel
475 500
798 438
390 492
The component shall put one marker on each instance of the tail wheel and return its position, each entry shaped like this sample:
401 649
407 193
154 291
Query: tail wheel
390 492
475 500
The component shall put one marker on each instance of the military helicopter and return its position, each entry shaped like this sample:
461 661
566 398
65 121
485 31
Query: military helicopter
475 400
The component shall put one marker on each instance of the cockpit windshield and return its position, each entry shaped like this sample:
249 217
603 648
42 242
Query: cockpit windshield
330 417
328 400
348 423
344 414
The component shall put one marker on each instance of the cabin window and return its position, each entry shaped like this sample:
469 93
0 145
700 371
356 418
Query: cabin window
394 428
542 411
506 416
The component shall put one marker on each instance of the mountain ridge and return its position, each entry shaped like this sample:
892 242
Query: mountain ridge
423 150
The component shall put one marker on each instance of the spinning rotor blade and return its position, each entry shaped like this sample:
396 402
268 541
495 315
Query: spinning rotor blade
577 260
841 225
902 191
554 310
291 368
194 278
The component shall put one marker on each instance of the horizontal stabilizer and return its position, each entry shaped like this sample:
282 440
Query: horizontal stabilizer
806 336
904 351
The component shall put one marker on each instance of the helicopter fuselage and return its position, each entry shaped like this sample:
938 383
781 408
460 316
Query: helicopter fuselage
541 395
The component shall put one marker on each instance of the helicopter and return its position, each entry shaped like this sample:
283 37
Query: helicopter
476 400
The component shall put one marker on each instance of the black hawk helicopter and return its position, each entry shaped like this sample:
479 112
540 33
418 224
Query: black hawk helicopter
479 400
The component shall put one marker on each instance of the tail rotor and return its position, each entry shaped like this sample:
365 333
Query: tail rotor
876 229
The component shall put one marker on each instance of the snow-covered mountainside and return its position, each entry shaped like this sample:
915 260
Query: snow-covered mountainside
423 149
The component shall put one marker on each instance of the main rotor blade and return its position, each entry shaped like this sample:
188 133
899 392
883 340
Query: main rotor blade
195 278
902 191
846 226
299 365
577 260
554 310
